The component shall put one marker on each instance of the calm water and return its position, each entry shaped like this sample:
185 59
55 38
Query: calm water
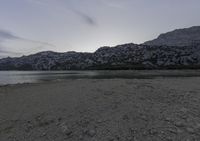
14 77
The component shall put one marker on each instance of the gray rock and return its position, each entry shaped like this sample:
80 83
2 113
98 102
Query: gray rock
179 123
179 37
65 129
91 132
190 130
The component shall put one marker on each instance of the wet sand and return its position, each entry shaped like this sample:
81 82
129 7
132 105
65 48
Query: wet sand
102 110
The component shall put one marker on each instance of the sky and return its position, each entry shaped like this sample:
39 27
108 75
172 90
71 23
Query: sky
30 26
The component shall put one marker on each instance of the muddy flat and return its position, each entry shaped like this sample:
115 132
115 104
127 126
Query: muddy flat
159 109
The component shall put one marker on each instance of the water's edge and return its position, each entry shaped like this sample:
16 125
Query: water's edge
21 77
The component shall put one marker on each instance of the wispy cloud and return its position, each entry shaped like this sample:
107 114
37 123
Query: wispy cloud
88 19
9 36
9 52
6 35
6 53
69 7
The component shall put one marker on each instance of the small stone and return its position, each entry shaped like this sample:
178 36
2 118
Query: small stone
179 131
129 138
94 139
153 131
85 131
125 117
59 119
135 139
168 119
183 110
117 137
172 130
169 138
91 133
190 130
197 126
43 134
111 139
81 137
179 123
188 139
143 117
99 121
133 130
66 130
162 132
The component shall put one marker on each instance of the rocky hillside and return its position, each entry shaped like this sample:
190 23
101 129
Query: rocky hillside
127 56
179 37
179 49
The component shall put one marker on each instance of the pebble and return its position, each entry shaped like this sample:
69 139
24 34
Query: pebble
43 134
144 117
197 126
172 130
66 130
81 137
179 131
129 138
125 117
99 121
91 132
133 130
135 139
168 119
111 139
169 138
179 123
153 131
85 131
94 139
190 130
183 110
59 119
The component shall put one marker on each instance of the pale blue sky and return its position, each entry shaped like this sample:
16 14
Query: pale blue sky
29 26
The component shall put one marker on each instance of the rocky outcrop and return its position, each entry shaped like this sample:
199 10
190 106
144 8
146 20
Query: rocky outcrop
179 49
180 37
127 56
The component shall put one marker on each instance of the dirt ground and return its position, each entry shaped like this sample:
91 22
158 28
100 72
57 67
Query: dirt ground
161 109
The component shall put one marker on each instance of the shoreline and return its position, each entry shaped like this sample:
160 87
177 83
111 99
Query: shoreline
28 77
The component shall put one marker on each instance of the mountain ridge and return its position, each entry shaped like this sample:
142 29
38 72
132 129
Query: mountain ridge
178 37
155 54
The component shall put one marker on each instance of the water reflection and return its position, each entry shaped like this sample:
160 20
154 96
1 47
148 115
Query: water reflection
14 77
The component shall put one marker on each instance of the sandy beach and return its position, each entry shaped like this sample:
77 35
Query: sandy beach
160 109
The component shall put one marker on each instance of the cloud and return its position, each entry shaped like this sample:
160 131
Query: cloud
9 36
88 19
9 52
6 53
6 35
69 7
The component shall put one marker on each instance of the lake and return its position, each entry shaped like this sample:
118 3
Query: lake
15 77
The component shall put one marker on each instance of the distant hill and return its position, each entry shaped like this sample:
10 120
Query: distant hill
179 49
178 37
127 56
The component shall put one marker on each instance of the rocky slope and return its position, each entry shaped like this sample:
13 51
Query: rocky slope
127 56
178 37
178 49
